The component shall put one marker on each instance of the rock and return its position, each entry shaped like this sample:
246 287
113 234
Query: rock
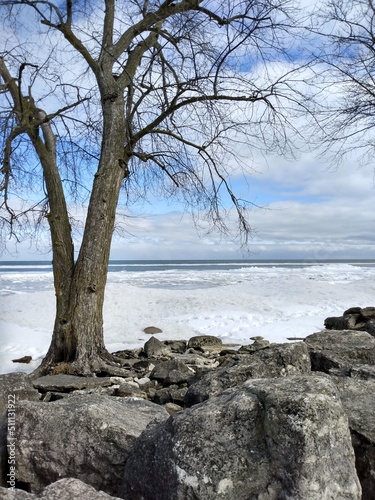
201 341
358 400
86 437
176 346
16 494
284 438
341 322
370 327
172 408
171 394
364 372
151 330
129 353
24 359
275 361
14 387
144 382
340 349
259 343
172 372
367 312
197 360
144 366
64 489
153 348
71 488
67 383
130 390
355 318
365 464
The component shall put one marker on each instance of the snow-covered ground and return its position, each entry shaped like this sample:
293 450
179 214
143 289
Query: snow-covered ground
274 302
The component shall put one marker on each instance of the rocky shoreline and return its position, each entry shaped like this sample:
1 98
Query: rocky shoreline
201 420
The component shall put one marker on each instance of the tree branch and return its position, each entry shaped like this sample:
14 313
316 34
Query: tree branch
167 9
194 100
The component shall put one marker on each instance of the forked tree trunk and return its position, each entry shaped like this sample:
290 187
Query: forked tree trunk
78 344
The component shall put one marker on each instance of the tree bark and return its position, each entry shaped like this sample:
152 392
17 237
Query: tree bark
78 342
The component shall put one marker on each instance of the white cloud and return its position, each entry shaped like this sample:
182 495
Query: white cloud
313 211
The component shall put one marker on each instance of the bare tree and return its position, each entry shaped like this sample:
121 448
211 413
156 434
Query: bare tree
345 58
135 95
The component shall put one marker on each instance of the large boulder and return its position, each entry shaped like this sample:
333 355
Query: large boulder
88 437
358 400
285 438
14 387
278 360
332 350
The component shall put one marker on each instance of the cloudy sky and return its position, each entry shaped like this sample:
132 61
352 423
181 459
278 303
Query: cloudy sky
303 208
307 210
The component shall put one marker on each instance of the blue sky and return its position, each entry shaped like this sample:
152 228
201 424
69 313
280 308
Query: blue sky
303 208
310 211
307 210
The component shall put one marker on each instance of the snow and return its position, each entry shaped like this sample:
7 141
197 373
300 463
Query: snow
276 303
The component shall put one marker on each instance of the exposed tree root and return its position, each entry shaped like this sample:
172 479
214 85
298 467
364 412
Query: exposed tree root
102 365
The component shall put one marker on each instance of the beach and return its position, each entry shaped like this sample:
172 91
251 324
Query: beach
234 302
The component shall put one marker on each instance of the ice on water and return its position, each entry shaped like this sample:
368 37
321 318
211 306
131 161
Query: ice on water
274 301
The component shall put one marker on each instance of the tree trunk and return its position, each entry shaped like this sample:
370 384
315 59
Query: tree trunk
60 229
78 344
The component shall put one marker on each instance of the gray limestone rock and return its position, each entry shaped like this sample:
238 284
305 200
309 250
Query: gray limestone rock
130 390
271 439
14 387
15 494
172 372
275 361
152 330
153 348
355 318
177 346
259 343
67 383
86 437
71 488
365 372
64 489
340 349
358 400
201 341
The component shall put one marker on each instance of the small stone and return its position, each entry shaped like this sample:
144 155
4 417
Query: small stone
24 359
151 330
130 390
172 408
142 382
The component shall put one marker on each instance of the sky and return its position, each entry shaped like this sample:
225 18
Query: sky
304 208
